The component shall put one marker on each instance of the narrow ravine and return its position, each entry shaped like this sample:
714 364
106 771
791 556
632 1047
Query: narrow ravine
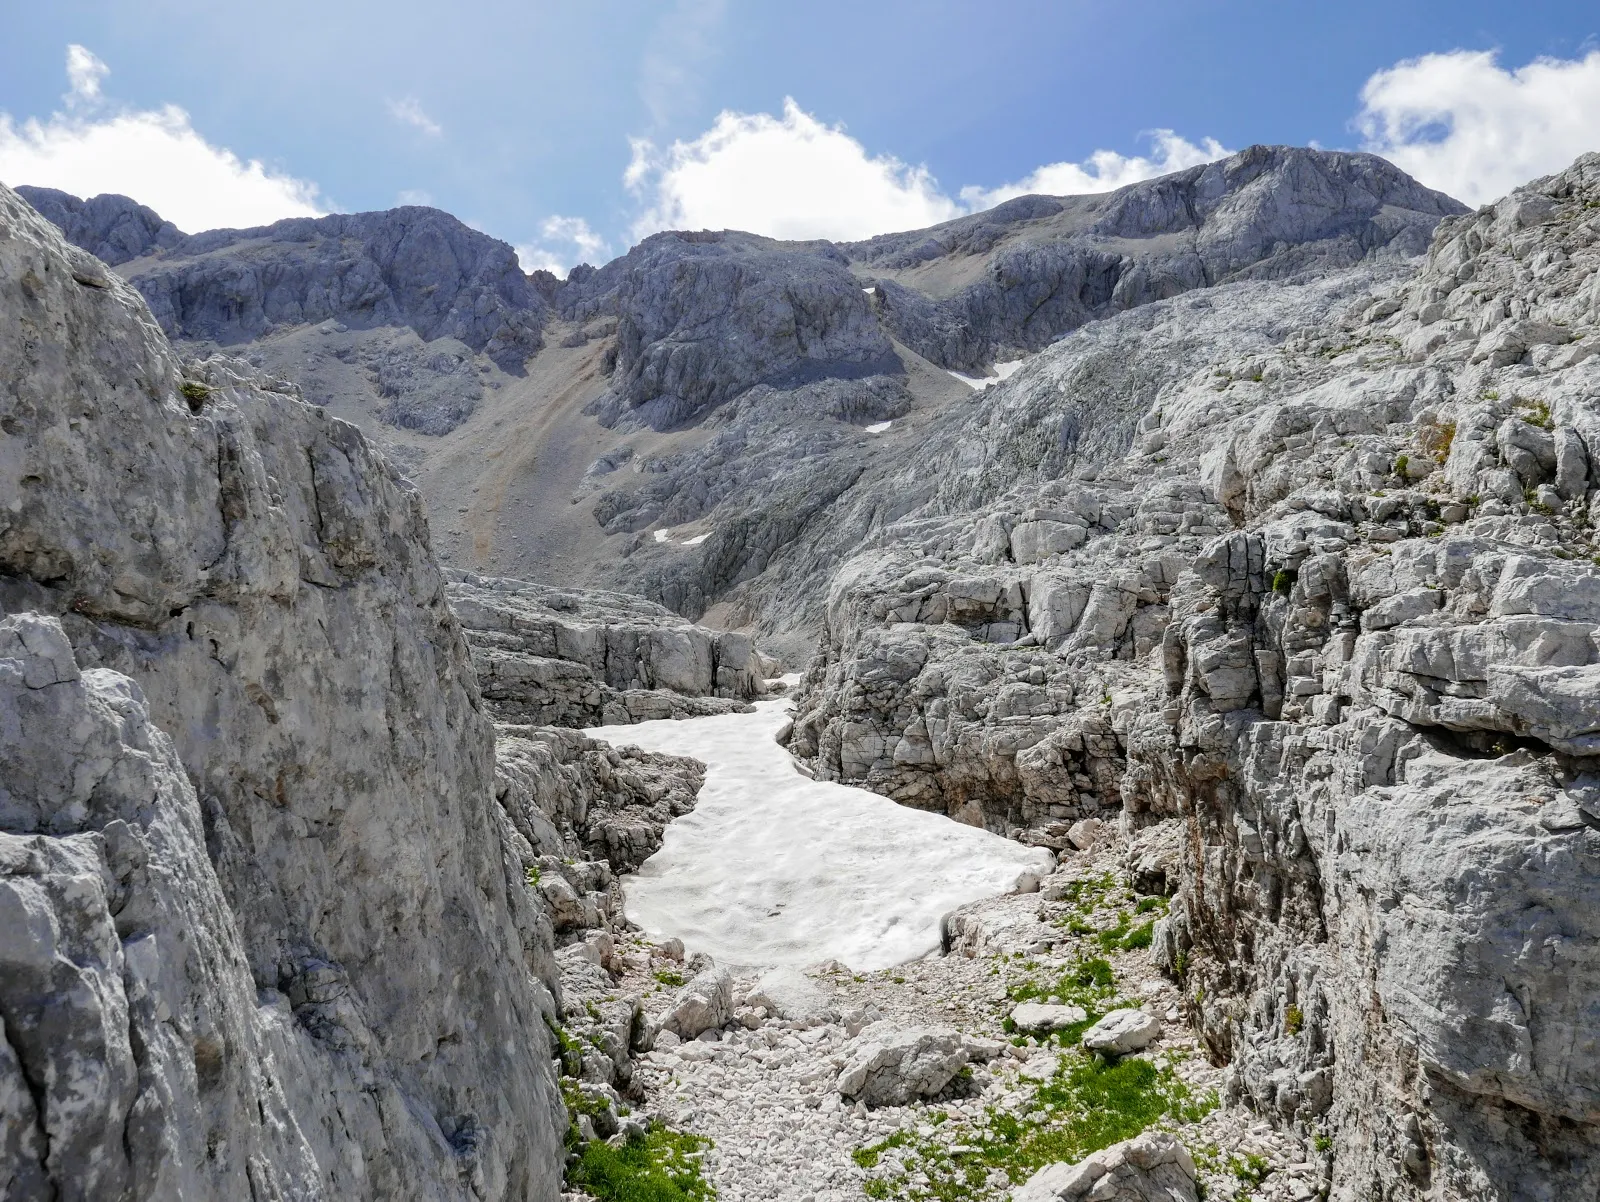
773 872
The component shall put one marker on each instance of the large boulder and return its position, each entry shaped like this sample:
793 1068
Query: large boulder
1153 1167
890 1065
1121 1032
704 1004
788 993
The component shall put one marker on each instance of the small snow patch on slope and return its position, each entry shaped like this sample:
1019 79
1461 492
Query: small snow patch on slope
1002 371
878 427
775 868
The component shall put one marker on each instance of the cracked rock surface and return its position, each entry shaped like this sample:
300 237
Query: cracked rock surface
263 938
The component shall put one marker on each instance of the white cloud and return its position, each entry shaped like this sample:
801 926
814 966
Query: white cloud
415 196
788 177
575 243
409 111
85 72
1462 123
154 156
796 177
1104 170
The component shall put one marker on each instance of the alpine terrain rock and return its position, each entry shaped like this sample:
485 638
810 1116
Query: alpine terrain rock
263 937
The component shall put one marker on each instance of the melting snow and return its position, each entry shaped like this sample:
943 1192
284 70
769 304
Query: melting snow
1002 371
878 427
697 539
661 536
775 868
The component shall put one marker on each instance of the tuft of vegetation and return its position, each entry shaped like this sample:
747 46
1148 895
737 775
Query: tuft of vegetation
660 1166
1283 580
1251 1168
1436 438
1293 1020
1401 462
568 1050
1125 936
1534 412
1087 1105
668 976
531 876
196 394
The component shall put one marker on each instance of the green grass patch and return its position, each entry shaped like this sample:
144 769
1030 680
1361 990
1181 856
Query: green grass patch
1088 1105
661 1166
668 976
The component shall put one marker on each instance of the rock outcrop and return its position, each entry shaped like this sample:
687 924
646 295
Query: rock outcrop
112 228
264 937
1153 1167
1304 571
412 266
563 657
889 1065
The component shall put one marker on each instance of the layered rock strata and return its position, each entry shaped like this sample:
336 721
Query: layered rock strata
562 657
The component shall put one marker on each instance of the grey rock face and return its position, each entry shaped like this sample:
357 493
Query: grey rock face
585 658
889 1065
1050 264
574 798
790 500
703 317
252 814
411 266
1153 1167
112 228
1332 612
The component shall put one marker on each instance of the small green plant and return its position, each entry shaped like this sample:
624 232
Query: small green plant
1436 438
1283 580
1401 462
1087 1105
660 1166
1148 904
1491 394
1322 1141
531 875
1535 412
568 1050
1293 1020
196 394
1252 1168
669 976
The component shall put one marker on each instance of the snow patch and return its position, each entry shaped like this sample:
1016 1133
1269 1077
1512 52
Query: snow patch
1002 371
662 536
697 539
878 427
774 868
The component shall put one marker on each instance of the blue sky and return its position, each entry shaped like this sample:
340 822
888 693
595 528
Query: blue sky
522 118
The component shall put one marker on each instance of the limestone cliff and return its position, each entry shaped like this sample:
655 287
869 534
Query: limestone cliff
264 937
1299 578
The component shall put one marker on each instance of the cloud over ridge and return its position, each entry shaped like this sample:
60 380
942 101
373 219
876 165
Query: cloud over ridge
155 156
1460 122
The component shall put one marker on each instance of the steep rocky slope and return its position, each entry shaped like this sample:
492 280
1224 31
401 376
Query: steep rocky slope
561 657
267 932
1299 578
715 419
